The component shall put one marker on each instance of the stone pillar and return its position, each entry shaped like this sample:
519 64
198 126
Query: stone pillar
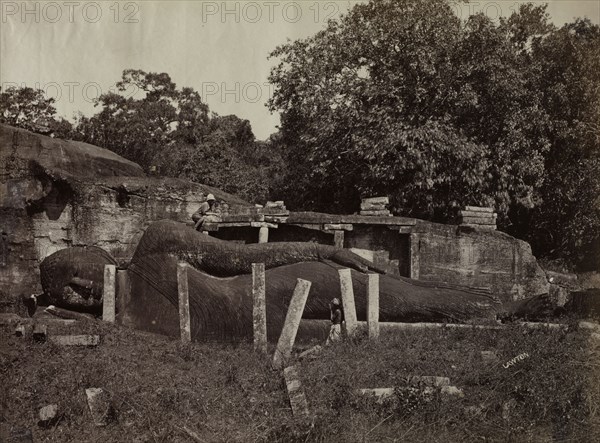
348 300
123 292
290 326
259 310
108 293
338 239
263 235
184 303
373 305
414 256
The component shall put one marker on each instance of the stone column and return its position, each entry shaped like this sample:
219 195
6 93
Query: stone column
263 235
290 326
184 303
108 293
348 300
259 310
414 256
373 306
123 292
338 239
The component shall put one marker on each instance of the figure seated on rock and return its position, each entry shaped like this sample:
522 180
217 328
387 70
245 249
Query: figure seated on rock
205 212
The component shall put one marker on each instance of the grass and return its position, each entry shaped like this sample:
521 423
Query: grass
228 393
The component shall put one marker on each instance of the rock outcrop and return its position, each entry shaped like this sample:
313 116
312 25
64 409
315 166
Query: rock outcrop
56 193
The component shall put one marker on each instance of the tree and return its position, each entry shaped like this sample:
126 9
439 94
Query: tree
405 99
29 109
567 223
172 131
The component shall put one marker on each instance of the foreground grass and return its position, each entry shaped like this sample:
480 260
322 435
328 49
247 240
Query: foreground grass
229 393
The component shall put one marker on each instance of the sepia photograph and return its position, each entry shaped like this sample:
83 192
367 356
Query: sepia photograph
354 221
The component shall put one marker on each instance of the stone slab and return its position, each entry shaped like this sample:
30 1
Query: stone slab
479 209
295 392
48 415
376 200
40 332
373 305
290 326
184 303
100 405
348 300
376 213
259 307
75 340
109 293
338 227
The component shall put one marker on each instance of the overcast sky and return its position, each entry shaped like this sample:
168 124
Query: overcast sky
75 50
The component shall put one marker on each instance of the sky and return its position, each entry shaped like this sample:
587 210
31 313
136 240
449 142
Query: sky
76 50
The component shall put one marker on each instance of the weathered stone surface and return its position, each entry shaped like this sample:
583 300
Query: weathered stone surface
376 201
9 318
185 326
48 415
109 293
100 405
21 330
479 209
373 305
56 193
376 213
295 392
287 338
482 259
347 291
40 332
259 307
312 352
75 340
489 357
452 391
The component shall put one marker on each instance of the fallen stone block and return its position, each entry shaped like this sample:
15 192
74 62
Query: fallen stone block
100 405
48 416
382 394
376 201
21 330
75 340
452 391
479 209
540 325
312 352
489 357
295 392
595 338
40 332
68 315
9 319
589 325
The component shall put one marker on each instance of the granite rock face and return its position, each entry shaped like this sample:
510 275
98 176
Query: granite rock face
479 258
56 194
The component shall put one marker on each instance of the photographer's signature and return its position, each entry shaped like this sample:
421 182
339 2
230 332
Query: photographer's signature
515 360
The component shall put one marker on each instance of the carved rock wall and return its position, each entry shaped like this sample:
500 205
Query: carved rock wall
55 194
479 258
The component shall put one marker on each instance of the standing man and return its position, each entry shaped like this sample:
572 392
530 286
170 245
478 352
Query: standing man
205 208
335 333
